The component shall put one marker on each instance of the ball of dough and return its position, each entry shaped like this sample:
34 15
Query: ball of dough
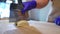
22 23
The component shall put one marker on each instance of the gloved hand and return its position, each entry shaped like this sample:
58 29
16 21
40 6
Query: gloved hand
28 6
57 20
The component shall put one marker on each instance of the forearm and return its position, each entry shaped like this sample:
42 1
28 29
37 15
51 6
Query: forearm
34 4
41 3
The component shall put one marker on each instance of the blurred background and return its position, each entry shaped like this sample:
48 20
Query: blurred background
34 14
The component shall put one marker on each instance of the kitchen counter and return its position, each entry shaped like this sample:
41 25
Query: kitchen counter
36 27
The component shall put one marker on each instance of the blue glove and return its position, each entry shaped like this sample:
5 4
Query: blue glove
28 6
57 20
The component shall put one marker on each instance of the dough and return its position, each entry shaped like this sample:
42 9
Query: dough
22 23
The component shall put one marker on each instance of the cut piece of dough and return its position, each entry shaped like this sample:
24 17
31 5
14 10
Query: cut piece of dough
22 23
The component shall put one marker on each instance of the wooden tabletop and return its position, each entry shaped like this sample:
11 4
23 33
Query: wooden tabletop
36 27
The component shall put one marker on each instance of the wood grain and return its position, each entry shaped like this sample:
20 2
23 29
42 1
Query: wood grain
24 30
